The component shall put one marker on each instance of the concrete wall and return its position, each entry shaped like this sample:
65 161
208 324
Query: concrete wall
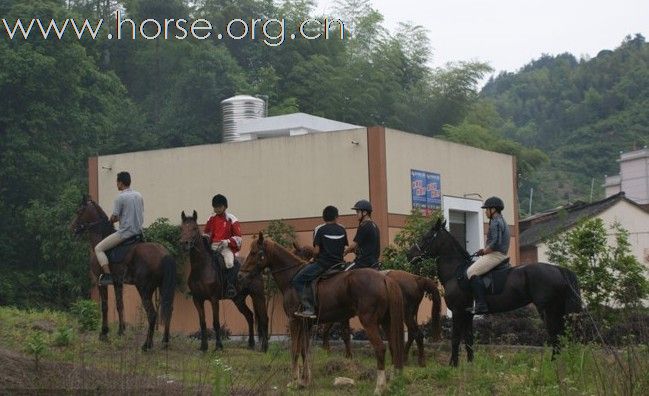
279 178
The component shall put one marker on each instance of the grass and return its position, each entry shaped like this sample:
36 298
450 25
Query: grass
579 370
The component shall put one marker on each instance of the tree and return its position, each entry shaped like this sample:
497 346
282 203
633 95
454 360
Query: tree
394 256
608 273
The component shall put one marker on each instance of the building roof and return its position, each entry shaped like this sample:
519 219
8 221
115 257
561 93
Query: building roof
536 228
296 123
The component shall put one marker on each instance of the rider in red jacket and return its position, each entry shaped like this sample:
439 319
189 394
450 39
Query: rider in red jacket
224 232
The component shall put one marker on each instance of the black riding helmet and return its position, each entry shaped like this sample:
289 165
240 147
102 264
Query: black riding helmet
363 204
494 202
219 200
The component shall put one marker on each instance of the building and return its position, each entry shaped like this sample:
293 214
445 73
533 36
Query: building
293 177
633 178
535 230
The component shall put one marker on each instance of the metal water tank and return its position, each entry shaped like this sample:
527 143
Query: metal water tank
237 108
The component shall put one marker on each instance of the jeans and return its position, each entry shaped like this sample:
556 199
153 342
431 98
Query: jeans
306 275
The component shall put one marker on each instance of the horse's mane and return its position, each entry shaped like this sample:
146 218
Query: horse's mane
275 248
107 226
456 245
102 214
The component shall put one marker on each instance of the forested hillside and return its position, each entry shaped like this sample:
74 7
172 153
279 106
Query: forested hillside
580 112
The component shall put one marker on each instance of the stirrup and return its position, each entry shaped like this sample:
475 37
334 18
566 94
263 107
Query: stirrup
230 292
478 309
105 279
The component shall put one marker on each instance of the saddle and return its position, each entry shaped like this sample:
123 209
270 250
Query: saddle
119 252
494 280
330 273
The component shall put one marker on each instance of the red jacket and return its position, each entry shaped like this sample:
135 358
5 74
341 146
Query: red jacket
225 226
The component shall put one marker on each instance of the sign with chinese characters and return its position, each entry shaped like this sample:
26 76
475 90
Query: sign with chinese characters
426 191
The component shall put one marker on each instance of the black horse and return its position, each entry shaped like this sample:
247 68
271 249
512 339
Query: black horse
553 290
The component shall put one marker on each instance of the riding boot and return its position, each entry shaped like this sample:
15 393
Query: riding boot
105 279
480 304
307 306
231 289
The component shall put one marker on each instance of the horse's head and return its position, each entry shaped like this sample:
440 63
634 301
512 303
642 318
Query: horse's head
431 244
256 260
88 216
190 235
303 252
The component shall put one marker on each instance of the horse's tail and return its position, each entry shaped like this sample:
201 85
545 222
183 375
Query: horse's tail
395 309
573 300
430 287
168 286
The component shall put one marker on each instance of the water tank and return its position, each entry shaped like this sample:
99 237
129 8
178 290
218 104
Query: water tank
237 108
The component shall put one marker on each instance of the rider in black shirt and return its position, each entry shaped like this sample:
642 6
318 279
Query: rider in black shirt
366 244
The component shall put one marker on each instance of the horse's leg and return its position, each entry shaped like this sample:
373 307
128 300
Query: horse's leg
326 329
455 338
554 323
200 308
261 317
414 333
296 342
103 296
216 324
346 334
371 326
305 352
146 296
247 313
468 336
119 301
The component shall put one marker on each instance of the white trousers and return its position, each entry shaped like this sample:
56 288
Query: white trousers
485 263
107 243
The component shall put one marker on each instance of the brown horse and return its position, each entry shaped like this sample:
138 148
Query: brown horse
375 298
147 266
413 288
206 283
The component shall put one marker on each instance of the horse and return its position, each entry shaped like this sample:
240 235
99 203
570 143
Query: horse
375 298
205 283
552 289
146 265
413 288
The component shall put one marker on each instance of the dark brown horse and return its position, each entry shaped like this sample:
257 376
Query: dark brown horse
554 290
206 284
147 266
413 288
375 298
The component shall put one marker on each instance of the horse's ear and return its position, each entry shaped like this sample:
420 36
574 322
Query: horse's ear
444 224
296 246
182 216
438 224
195 216
84 199
260 240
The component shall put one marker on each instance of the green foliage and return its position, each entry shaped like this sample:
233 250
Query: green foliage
63 336
36 346
607 273
87 314
281 232
168 235
394 256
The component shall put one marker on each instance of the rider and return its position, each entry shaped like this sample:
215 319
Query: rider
366 244
224 233
329 241
129 211
492 255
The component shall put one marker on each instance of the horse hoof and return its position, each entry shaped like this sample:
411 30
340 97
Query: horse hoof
218 347
103 337
203 348
146 346
165 344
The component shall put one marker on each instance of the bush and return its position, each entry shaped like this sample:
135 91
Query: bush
87 314
35 346
63 336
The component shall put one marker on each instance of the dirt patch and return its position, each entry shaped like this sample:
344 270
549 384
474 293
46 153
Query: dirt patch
19 374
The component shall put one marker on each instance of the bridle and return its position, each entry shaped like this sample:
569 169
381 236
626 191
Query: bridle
261 256
85 227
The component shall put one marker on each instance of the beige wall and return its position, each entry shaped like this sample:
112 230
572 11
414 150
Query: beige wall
632 218
279 178
462 169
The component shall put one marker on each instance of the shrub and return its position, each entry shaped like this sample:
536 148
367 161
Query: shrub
35 346
63 336
87 314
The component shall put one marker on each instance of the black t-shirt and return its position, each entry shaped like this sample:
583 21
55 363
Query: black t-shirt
368 241
331 239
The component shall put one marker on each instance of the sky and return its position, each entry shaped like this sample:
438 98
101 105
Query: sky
510 33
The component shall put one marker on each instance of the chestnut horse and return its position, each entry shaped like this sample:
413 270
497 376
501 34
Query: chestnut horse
206 283
375 298
553 289
147 266
413 288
